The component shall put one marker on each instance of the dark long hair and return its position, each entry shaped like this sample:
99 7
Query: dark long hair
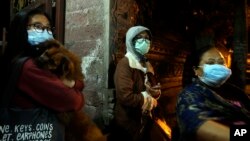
192 62
17 35
17 42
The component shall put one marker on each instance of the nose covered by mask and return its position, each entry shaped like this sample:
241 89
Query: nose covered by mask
37 37
142 46
215 75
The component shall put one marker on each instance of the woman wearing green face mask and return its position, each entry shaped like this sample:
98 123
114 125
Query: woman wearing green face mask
134 95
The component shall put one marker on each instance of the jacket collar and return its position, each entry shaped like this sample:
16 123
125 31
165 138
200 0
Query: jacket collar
134 63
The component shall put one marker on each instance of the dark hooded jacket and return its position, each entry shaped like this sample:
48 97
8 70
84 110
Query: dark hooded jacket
129 83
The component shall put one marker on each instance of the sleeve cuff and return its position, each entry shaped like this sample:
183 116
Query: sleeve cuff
79 85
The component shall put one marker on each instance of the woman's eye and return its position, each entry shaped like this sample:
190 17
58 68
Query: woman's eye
38 26
221 62
210 62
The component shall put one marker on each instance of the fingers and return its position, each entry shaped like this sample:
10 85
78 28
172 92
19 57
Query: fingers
147 84
146 79
155 92
158 86
68 83
155 103
149 104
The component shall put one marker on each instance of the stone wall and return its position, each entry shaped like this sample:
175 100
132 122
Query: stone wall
87 34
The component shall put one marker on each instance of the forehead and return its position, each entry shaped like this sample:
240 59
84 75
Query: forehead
212 53
39 19
143 34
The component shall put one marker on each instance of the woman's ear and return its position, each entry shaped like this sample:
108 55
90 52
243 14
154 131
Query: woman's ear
195 69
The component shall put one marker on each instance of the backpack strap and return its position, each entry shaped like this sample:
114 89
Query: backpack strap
10 89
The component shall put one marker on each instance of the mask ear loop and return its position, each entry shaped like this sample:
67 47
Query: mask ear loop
195 67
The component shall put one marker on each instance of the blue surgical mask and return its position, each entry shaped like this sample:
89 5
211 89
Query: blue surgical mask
36 37
142 46
215 75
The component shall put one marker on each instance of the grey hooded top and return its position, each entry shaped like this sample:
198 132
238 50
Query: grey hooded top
131 33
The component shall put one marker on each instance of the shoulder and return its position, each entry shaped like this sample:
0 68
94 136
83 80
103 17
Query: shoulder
191 93
123 61
123 70
30 68
29 64
191 88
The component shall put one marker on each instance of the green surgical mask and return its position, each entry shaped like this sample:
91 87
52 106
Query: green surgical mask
142 46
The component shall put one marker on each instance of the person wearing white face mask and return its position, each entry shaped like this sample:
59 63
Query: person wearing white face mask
209 105
134 97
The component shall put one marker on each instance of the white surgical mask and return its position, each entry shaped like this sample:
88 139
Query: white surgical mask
142 46
36 37
215 75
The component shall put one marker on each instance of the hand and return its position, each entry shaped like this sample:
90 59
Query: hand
154 91
69 83
149 102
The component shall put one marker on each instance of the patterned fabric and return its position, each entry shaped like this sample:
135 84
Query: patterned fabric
198 103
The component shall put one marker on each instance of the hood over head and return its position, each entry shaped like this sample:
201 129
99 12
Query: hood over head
131 33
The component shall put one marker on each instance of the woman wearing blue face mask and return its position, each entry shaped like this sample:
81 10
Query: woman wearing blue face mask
38 33
135 98
37 87
208 106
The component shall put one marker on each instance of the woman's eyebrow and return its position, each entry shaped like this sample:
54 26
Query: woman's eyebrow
39 23
210 59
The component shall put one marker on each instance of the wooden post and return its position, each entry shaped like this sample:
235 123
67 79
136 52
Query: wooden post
239 61
60 20
4 40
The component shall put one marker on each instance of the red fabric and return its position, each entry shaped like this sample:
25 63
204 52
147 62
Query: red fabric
41 87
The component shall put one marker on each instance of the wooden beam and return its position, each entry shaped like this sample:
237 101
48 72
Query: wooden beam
60 20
